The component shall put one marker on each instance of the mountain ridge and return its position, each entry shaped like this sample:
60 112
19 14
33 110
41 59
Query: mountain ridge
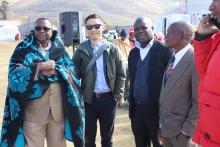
121 12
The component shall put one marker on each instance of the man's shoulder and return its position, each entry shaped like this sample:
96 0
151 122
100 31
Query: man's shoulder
159 44
82 45
134 50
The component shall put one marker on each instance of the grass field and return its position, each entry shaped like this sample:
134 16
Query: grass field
122 134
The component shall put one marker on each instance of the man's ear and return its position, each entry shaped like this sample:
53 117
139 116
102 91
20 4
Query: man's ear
104 27
184 35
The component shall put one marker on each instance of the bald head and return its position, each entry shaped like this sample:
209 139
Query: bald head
146 20
179 34
185 28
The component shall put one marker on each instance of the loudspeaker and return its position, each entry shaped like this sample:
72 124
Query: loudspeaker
71 28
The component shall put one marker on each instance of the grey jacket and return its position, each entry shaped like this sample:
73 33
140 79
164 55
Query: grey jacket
179 99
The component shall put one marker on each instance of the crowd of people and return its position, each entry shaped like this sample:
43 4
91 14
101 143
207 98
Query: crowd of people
170 83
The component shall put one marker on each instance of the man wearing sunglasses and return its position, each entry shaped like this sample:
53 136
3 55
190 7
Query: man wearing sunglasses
102 82
41 86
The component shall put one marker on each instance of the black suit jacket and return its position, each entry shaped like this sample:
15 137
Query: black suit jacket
158 60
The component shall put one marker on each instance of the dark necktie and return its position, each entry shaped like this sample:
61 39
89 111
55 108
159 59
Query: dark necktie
169 68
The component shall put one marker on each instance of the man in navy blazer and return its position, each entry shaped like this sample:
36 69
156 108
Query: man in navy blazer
147 63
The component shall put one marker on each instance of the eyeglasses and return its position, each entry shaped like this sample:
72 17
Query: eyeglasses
96 26
45 29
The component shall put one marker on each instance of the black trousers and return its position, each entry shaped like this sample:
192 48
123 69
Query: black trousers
104 110
143 128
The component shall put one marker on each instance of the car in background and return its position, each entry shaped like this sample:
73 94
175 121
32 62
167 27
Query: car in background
111 35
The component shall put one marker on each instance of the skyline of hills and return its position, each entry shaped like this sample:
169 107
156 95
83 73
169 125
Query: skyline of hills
121 12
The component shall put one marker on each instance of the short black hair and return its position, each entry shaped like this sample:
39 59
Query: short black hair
42 18
93 16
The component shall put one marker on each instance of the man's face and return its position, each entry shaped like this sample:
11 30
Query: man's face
43 30
173 37
215 9
143 31
94 28
123 38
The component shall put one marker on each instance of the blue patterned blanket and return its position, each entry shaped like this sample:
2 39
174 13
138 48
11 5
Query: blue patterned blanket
22 88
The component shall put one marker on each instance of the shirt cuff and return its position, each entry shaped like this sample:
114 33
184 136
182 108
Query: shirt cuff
201 37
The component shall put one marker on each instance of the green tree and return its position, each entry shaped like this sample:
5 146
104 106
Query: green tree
4 9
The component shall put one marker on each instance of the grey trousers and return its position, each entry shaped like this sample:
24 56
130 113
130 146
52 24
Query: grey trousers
178 141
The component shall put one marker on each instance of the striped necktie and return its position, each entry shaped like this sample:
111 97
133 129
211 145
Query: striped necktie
169 68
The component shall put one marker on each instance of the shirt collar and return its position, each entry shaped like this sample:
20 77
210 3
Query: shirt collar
48 45
182 52
150 44
96 46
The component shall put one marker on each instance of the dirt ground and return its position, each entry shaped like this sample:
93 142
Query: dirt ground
122 135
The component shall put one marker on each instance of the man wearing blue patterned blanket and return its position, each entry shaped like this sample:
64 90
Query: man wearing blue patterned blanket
43 99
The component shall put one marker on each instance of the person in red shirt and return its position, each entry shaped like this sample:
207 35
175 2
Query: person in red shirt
18 36
207 57
132 39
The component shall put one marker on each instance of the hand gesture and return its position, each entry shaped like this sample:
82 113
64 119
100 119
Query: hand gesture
206 27
159 137
47 65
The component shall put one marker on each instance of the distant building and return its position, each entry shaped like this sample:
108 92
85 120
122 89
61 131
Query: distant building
190 11
197 9
9 30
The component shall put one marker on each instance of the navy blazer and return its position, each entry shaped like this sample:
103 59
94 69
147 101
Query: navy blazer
158 60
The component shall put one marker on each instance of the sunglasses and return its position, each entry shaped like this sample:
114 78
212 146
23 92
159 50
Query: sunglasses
45 29
96 26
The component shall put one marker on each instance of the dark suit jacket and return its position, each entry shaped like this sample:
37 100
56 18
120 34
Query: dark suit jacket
179 99
158 60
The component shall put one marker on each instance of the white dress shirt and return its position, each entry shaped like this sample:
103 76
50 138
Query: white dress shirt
144 51
100 84
45 52
180 54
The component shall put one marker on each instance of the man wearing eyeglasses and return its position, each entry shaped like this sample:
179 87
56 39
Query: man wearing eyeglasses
102 82
41 85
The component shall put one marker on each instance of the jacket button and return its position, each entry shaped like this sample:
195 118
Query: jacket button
207 135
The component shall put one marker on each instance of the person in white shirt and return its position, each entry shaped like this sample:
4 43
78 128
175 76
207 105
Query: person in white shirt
178 97
146 63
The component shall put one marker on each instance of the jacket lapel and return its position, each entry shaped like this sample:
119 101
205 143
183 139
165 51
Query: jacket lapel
135 60
176 73
87 49
152 57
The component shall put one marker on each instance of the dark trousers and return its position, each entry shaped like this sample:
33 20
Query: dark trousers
127 84
144 129
102 109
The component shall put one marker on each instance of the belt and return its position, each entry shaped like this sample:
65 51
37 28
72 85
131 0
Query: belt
100 95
